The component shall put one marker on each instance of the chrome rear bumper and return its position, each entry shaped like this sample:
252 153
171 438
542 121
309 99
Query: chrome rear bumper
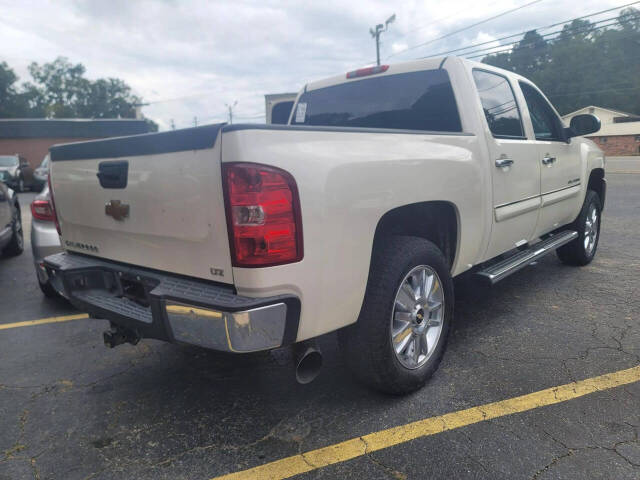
174 308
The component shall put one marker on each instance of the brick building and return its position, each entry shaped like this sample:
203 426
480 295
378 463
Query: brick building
620 131
31 138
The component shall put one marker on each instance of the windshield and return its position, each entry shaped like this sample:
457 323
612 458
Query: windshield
421 100
7 161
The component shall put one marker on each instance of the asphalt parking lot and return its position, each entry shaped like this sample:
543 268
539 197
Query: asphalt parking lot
72 409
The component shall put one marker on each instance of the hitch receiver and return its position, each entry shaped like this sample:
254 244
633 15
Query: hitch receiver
117 335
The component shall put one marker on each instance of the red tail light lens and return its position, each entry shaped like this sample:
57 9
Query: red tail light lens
53 205
263 215
41 210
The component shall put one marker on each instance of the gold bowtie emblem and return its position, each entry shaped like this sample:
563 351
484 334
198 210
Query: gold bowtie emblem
116 209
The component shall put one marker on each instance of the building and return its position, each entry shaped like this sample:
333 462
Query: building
278 107
31 138
620 131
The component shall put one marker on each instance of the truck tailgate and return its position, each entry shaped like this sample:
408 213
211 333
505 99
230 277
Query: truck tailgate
169 216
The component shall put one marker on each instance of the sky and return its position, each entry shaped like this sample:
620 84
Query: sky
189 58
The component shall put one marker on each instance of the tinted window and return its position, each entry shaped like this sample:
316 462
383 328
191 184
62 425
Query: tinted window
409 101
280 112
499 104
546 124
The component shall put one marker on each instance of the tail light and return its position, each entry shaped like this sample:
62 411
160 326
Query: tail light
41 210
263 215
53 205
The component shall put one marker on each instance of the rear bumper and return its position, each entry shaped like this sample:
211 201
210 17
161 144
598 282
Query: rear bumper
174 308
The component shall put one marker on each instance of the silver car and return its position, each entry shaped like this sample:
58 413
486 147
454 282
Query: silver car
44 237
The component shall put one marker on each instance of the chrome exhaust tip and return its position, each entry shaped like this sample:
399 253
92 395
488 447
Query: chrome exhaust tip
308 361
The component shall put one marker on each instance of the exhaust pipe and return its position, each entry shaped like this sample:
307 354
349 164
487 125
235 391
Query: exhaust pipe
308 361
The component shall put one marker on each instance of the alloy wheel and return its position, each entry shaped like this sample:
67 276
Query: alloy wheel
417 318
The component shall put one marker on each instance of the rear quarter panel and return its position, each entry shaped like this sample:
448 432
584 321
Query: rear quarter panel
347 182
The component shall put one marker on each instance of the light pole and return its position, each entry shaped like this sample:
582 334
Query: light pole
230 107
376 34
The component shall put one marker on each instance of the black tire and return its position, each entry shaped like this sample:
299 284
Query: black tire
367 344
575 252
16 244
47 289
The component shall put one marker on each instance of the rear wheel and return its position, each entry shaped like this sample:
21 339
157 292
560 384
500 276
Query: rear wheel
582 250
401 333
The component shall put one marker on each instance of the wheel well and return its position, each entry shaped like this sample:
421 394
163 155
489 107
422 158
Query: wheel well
596 183
435 221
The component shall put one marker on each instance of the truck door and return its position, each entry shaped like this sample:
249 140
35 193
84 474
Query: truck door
515 166
559 162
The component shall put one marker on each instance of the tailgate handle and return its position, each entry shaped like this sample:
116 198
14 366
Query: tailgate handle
113 174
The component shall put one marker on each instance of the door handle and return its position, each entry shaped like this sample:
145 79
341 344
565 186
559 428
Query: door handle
547 160
504 162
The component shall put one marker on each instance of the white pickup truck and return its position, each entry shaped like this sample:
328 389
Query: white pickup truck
386 183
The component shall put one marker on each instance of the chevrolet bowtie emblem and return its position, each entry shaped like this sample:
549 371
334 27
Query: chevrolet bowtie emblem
117 210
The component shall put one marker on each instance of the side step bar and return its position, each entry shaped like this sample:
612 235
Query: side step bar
502 269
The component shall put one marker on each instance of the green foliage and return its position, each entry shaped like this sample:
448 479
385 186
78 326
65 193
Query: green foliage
12 103
583 65
59 89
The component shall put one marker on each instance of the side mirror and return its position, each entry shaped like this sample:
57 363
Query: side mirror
583 124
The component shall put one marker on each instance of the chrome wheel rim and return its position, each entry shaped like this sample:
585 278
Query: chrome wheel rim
591 230
417 318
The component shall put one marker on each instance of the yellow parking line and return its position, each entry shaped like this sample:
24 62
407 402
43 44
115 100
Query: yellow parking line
356 447
42 321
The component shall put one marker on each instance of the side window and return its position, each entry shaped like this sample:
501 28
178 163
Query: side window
499 104
546 124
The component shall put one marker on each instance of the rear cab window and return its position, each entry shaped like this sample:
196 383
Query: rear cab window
421 100
499 104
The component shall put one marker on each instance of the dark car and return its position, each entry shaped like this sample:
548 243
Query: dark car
40 174
11 238
16 172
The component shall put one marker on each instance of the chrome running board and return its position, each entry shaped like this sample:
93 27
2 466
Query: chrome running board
495 272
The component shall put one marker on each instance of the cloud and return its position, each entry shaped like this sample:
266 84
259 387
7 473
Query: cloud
188 58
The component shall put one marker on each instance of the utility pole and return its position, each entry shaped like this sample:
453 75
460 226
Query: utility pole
230 107
173 125
376 34
195 121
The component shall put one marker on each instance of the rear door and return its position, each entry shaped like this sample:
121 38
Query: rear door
559 162
515 167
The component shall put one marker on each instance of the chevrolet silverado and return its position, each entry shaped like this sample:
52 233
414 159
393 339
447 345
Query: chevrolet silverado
386 183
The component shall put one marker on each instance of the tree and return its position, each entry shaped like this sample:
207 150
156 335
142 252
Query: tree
12 104
583 65
60 89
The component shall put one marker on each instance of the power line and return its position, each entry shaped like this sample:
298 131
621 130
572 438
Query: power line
594 91
455 14
538 28
589 27
465 28
507 46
